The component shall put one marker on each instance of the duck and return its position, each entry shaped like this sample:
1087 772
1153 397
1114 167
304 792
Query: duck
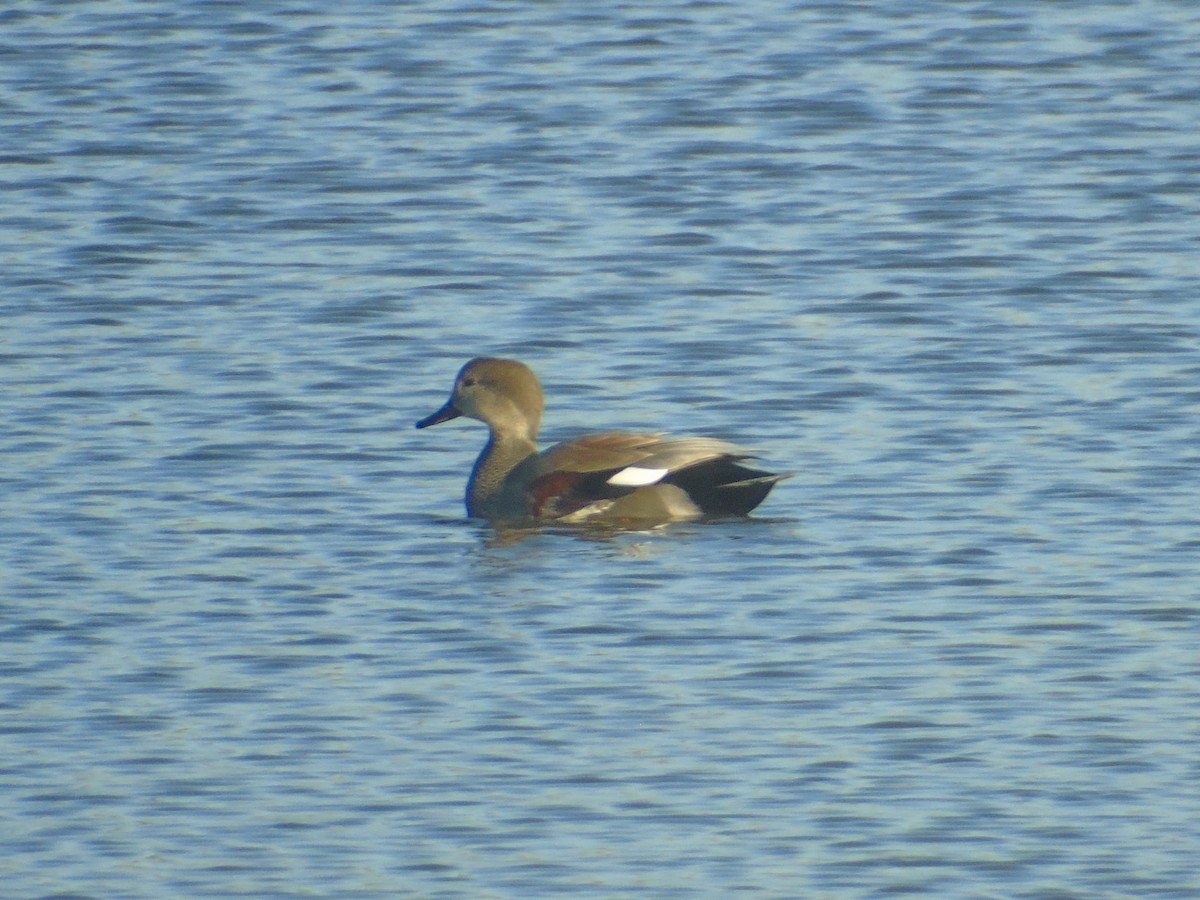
607 477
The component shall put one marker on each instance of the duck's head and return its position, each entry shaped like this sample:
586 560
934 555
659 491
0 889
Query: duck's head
503 393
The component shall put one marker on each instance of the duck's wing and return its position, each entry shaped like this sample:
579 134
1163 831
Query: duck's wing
598 452
588 475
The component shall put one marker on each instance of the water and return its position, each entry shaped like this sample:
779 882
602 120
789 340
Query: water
939 259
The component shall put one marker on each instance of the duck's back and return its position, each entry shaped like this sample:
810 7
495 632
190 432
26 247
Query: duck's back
623 475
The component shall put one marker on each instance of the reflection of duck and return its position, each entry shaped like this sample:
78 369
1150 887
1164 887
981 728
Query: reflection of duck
608 476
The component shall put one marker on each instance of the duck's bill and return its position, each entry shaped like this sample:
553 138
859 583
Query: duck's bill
445 414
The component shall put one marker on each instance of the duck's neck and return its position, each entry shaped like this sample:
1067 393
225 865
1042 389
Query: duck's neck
505 450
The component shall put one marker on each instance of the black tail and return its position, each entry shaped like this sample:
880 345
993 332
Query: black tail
723 486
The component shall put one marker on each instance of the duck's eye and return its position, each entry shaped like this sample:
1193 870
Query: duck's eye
468 382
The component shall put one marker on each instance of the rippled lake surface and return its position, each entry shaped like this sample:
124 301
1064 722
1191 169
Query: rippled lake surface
938 259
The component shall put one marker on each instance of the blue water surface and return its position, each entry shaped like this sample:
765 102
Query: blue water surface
938 259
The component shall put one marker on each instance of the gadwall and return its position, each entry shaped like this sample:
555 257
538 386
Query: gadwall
610 476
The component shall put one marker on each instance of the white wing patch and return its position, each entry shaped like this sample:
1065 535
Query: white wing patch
632 476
